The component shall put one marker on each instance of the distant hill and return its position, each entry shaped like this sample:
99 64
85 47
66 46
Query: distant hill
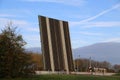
109 51
34 49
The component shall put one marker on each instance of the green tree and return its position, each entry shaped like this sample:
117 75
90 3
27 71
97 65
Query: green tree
13 59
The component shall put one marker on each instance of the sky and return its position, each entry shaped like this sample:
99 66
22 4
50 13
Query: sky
90 21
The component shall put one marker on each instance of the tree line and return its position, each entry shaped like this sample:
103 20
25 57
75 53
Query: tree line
84 64
81 64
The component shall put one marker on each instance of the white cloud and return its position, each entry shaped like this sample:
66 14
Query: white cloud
25 25
103 24
91 33
32 38
67 2
20 23
97 24
76 16
7 15
35 29
88 33
77 43
112 40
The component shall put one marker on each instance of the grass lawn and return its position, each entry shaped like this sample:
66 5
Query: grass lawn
68 77
117 74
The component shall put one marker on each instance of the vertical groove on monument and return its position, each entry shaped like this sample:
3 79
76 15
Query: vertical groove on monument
44 43
59 45
68 44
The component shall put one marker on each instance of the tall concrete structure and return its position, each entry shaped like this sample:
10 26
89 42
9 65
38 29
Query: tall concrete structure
56 46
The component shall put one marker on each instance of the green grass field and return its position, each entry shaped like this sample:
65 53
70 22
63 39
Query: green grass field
68 77
117 74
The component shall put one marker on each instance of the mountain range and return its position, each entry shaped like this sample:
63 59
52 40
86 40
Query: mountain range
107 51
